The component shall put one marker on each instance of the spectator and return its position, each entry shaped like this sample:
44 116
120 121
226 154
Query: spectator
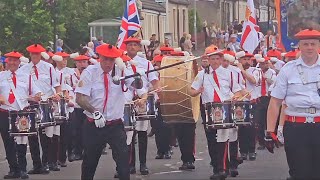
59 45
234 45
153 45
90 51
167 42
187 45
182 40
206 32
1 67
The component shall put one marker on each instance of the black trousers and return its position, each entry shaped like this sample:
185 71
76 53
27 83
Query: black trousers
94 140
302 146
261 118
233 151
247 135
21 154
143 144
185 133
218 151
65 142
77 120
8 141
162 133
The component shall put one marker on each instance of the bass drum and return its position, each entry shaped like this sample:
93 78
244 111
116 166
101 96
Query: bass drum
177 106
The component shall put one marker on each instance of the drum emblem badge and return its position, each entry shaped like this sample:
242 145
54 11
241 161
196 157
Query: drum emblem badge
239 113
22 124
217 114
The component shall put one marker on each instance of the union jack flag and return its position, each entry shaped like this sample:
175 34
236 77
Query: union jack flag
130 23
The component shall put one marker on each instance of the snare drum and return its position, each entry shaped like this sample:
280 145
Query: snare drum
242 113
22 123
218 115
148 111
129 119
46 114
60 113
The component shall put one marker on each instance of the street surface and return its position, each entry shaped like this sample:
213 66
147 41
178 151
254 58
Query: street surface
266 167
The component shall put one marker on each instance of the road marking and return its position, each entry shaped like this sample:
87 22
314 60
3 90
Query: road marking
167 172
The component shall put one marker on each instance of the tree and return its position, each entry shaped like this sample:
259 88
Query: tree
191 21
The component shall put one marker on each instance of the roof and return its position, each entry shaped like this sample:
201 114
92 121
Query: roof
106 22
183 2
152 5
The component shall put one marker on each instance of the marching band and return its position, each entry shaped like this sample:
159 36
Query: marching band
72 113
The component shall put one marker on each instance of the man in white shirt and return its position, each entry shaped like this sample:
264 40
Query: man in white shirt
100 94
150 80
215 86
251 77
45 77
268 77
298 84
14 95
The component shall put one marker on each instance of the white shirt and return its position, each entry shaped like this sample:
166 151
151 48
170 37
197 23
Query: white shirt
207 81
65 77
236 74
143 63
270 74
130 93
279 64
92 85
255 72
289 86
45 79
22 90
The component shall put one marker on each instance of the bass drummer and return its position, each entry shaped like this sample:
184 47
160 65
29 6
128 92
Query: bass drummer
14 96
149 80
214 85
45 77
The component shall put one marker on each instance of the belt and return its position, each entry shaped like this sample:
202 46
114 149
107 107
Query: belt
108 123
297 119
311 110
4 110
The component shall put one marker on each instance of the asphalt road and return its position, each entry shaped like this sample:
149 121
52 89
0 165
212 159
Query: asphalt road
266 167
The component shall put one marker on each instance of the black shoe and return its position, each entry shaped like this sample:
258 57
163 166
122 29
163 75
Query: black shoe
151 133
35 171
244 156
223 174
45 169
62 164
12 175
261 147
144 169
159 156
190 165
116 175
217 176
54 167
71 157
77 157
167 156
252 156
184 166
132 170
24 175
233 172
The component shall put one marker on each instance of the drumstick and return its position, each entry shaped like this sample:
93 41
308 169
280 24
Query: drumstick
157 89
246 95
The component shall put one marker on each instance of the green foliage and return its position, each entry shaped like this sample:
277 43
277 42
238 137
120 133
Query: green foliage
23 22
191 21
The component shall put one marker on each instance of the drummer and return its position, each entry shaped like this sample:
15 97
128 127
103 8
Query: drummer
61 141
150 80
130 94
14 96
250 78
78 117
104 122
45 77
215 86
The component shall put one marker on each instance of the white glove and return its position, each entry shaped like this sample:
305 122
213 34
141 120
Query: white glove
141 72
99 120
280 134
116 80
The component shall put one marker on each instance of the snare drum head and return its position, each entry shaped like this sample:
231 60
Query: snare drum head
239 113
23 123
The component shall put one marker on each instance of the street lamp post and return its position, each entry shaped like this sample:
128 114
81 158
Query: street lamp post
268 14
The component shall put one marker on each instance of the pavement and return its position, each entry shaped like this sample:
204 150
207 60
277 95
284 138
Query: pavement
266 167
